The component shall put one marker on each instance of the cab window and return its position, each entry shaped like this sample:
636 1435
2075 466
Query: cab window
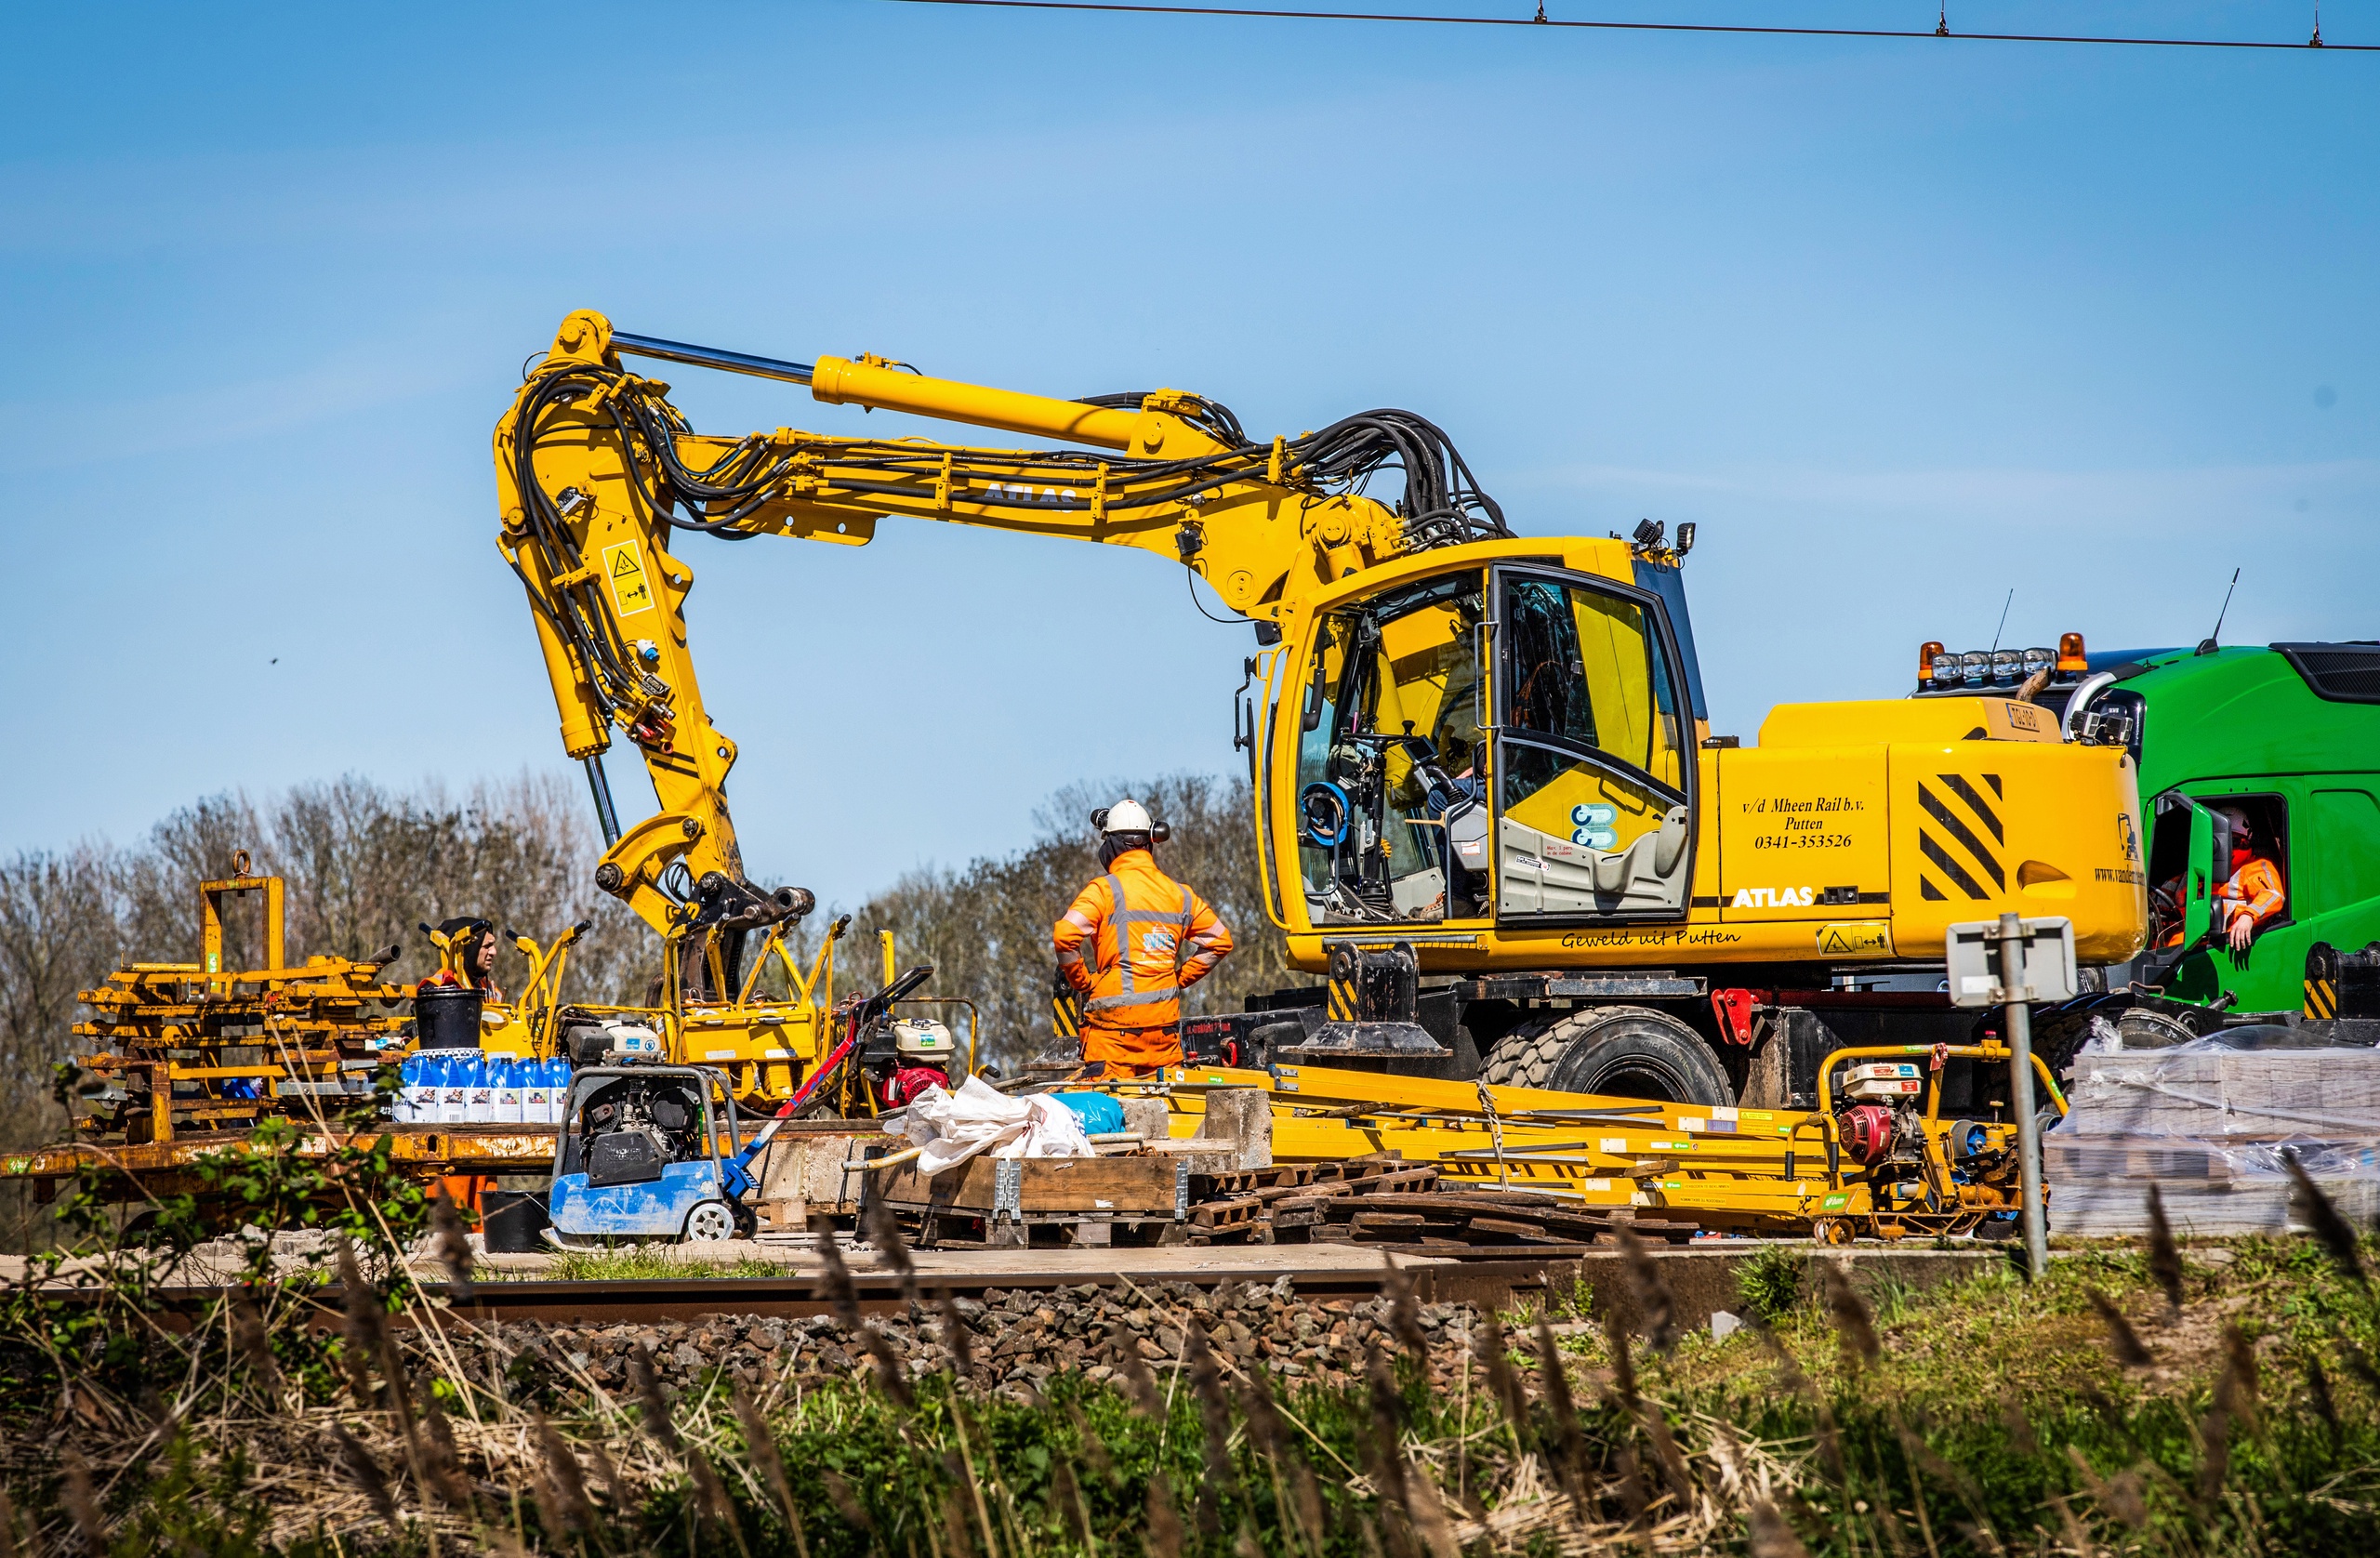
1393 758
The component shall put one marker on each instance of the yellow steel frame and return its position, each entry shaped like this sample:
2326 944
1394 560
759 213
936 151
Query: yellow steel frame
1735 1170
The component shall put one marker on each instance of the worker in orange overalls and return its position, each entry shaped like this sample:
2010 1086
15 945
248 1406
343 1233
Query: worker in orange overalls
1133 941
2254 895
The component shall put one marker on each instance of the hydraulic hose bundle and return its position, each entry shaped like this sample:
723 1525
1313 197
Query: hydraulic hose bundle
1441 506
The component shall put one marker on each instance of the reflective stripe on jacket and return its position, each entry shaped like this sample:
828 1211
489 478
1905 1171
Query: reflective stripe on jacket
1133 940
2254 890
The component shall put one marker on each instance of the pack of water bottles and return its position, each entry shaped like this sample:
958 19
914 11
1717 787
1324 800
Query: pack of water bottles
472 1086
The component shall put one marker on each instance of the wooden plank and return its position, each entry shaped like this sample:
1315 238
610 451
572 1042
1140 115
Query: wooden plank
1504 1227
1049 1184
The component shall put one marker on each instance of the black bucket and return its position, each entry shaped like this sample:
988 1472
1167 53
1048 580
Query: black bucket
447 1016
514 1220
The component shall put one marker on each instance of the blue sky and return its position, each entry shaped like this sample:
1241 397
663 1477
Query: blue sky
1898 326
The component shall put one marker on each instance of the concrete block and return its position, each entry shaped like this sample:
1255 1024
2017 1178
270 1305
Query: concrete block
799 1174
1242 1116
1147 1117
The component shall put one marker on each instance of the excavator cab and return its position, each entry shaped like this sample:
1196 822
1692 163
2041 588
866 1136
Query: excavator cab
1498 741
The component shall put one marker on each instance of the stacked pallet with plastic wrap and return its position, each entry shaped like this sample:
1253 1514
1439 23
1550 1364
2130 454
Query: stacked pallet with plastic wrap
2213 1128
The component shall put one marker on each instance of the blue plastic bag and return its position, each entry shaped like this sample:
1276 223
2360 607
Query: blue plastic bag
1100 1114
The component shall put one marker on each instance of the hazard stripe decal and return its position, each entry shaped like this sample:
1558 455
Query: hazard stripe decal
1065 1012
1932 894
1340 1002
1951 868
1957 785
1987 863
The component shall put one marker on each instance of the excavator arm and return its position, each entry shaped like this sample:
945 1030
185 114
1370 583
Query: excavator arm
596 469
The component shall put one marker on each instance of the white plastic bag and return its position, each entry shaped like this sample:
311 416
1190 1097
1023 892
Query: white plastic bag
1055 1132
950 1127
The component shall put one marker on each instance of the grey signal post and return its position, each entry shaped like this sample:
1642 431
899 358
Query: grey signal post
2036 962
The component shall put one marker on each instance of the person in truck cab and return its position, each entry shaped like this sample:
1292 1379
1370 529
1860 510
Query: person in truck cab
2255 895
2247 900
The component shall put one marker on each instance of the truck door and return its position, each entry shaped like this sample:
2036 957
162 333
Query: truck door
1592 774
2189 857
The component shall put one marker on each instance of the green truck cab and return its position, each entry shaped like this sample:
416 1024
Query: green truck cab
2290 735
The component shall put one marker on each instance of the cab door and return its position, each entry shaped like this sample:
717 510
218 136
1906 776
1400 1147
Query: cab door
1593 775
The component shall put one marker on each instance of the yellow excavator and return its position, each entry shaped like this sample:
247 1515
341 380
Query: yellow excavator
1487 801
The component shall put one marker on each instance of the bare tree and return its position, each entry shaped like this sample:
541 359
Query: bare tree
60 933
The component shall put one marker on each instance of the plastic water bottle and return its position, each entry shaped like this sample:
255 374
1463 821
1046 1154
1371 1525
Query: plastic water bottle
481 1083
453 1100
533 1093
510 1084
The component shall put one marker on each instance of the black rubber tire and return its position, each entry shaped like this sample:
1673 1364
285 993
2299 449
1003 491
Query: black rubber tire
1624 1051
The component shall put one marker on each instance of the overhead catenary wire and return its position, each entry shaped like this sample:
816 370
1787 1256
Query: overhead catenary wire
1938 33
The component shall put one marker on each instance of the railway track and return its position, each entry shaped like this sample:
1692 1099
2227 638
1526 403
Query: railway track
1497 1283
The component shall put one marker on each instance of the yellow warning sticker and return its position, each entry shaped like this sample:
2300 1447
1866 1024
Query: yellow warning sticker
1865 939
632 591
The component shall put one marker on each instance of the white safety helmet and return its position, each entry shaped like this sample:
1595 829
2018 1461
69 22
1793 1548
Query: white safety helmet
1126 816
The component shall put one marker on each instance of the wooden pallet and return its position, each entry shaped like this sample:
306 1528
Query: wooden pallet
1060 1200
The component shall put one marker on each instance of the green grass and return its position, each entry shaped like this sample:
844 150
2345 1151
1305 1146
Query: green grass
1993 1420
639 1263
